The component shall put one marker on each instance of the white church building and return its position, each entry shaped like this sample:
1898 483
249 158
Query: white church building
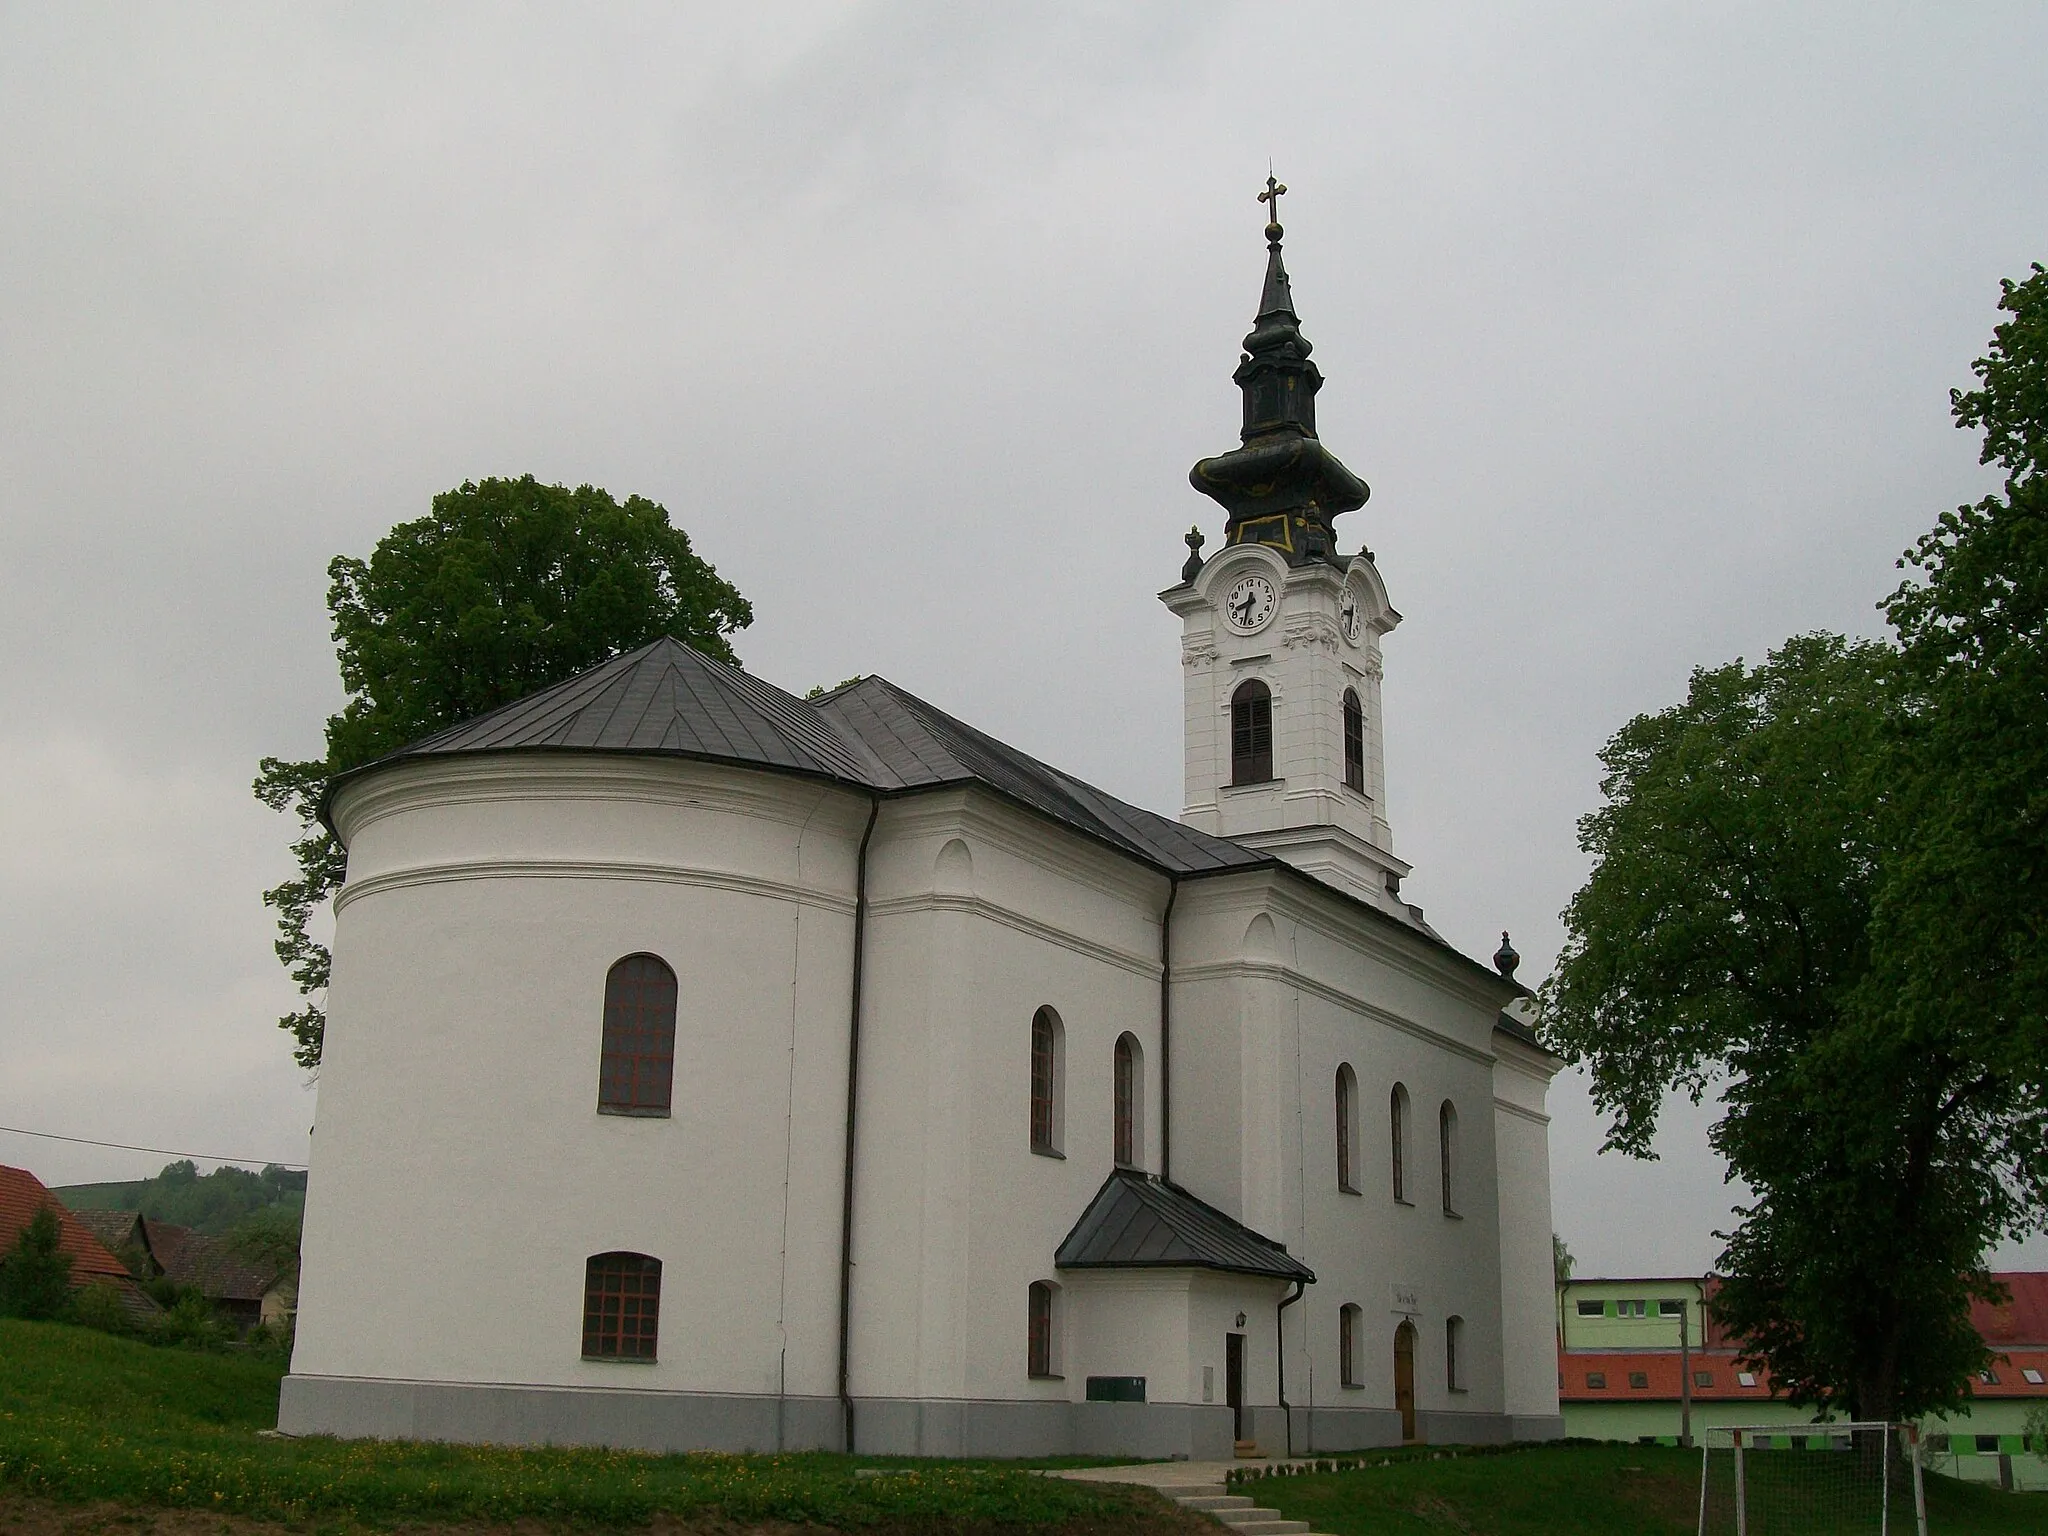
708 1067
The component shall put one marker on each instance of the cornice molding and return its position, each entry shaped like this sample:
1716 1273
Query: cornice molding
458 780
588 869
1533 1116
1146 966
1287 975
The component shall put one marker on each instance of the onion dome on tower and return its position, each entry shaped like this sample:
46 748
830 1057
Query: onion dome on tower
1283 487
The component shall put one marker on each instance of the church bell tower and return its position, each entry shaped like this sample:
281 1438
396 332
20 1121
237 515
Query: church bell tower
1280 641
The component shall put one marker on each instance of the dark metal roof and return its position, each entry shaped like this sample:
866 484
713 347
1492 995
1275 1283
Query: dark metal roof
1137 1221
667 700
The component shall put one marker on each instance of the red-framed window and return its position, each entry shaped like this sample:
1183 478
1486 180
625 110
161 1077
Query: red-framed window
621 1306
638 1065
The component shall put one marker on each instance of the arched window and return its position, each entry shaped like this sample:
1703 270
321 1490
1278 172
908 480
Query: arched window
1251 733
1128 1113
1349 1319
639 1037
1347 1129
1042 1348
1354 741
1048 1069
1454 1343
621 1306
1447 1140
1397 1119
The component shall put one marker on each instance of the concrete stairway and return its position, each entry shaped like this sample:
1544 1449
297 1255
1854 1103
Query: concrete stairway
1239 1513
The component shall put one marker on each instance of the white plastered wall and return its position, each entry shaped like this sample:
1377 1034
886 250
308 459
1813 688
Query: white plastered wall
461 1173
1522 1131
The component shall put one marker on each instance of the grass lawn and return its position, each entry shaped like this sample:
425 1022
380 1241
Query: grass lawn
85 1417
1619 1490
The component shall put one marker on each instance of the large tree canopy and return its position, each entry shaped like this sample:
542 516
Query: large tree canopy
1821 887
506 587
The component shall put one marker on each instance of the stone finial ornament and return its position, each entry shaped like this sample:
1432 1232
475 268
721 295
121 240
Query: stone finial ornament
1194 541
1505 959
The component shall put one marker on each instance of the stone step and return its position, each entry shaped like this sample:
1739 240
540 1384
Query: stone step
1246 1513
1179 1491
1275 1527
1211 1500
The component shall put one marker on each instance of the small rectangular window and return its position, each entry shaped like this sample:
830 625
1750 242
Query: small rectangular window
1989 1378
1635 1309
1639 1381
1671 1308
1591 1309
1745 1378
1596 1381
2033 1376
1703 1378
1987 1445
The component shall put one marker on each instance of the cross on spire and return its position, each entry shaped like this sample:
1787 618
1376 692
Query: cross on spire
1275 190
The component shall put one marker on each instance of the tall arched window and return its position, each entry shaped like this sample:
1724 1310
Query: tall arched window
1048 1050
1251 733
1354 741
1454 1344
639 1037
621 1306
1128 1112
1397 1120
1349 1319
1347 1129
1447 1141
1042 1314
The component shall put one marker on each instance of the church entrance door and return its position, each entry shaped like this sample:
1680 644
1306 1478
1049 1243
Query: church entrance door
1233 1381
1404 1378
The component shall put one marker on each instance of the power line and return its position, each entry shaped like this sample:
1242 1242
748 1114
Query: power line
124 1146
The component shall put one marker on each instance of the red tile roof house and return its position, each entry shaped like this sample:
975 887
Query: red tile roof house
21 1195
1633 1394
242 1292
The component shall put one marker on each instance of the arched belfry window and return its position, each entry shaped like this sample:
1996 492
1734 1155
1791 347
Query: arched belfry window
1354 741
639 1037
1447 1142
1048 1071
1397 1120
1251 733
1347 1129
1127 1112
621 1306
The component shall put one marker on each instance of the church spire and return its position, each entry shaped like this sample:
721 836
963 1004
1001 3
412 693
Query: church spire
1283 487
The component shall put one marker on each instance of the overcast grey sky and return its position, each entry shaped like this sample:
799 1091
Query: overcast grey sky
1639 319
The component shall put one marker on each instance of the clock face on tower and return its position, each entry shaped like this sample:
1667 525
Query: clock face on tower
1249 603
1347 617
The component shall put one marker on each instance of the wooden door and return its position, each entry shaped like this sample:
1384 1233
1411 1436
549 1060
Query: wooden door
1233 1381
1404 1378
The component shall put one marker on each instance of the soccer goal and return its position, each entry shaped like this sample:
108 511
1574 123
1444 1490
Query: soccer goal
1777 1479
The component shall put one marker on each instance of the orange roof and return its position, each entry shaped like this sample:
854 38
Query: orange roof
1617 1369
2022 1318
21 1195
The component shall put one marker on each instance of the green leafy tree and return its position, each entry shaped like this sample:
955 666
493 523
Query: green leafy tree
506 587
1821 886
1561 1261
35 1277
1721 941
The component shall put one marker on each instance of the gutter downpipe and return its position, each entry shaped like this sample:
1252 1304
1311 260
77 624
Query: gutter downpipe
860 924
1166 1031
1280 1359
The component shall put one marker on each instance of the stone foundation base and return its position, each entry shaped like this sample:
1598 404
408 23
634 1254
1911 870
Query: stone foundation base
359 1408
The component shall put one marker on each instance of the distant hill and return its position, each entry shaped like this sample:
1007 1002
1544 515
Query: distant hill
213 1203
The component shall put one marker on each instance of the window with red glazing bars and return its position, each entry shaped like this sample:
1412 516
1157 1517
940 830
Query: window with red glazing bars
621 1306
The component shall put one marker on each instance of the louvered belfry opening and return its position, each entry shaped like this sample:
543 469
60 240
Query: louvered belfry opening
1354 741
1251 734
